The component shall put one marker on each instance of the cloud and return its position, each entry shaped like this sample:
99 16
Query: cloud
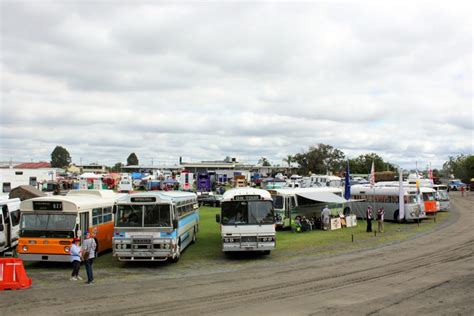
209 80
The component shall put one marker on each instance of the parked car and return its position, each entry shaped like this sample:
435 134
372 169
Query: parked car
211 200
456 185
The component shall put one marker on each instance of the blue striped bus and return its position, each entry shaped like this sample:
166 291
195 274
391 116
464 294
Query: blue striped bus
155 226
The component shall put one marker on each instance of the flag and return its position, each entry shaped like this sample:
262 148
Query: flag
418 191
372 175
347 184
401 197
430 175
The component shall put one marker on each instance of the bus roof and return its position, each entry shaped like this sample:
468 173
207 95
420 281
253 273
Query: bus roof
380 190
293 191
170 196
245 191
99 193
72 202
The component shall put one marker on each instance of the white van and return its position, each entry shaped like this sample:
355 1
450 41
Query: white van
9 223
126 184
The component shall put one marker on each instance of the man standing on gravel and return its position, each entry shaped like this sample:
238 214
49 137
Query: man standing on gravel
89 247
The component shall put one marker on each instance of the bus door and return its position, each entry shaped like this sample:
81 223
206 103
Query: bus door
6 226
2 234
83 224
290 209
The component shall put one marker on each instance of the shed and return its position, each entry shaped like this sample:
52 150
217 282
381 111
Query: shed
25 192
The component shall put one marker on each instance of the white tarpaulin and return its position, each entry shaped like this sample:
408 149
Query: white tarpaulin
326 197
89 175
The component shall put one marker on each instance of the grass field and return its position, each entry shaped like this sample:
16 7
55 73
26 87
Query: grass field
207 250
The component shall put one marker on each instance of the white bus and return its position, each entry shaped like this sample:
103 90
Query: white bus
247 220
308 202
442 196
155 226
48 224
9 223
388 198
317 180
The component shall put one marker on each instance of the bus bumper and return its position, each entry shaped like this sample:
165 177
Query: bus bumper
142 255
248 247
44 257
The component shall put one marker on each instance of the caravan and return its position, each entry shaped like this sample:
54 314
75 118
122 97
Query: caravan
9 223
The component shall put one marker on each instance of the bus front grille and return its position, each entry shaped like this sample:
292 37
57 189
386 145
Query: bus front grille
248 239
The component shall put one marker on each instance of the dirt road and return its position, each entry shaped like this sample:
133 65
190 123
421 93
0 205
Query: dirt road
431 274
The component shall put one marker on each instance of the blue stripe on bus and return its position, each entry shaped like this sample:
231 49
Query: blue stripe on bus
192 217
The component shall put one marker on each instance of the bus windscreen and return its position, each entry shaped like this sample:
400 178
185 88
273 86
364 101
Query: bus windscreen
157 216
48 225
247 213
151 215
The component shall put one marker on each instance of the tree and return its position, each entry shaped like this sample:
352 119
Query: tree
117 167
132 160
320 159
461 167
363 164
288 160
60 158
264 162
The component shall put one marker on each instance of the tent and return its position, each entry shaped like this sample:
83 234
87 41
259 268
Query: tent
170 181
325 197
89 175
137 175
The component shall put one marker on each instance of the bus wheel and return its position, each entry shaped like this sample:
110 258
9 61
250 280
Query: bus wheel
396 219
194 236
178 254
266 252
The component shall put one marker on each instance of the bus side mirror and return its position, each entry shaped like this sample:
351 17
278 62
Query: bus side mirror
218 218
114 209
175 223
1 228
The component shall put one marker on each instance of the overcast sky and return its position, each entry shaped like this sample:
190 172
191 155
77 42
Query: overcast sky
206 80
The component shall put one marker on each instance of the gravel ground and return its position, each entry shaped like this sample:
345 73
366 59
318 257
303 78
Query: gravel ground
430 274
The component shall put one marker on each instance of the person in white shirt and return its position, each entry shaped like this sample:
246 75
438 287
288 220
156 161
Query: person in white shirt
75 252
380 216
88 249
325 214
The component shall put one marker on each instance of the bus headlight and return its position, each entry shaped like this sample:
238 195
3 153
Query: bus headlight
66 249
25 248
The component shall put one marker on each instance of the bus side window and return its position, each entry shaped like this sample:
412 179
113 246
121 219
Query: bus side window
107 214
15 216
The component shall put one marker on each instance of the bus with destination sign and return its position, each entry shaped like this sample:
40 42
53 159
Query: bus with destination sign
247 220
388 198
155 226
442 196
48 224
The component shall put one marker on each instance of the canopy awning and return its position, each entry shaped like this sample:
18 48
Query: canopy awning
89 175
325 197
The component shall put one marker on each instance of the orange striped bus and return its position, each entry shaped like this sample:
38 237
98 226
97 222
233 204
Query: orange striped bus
48 224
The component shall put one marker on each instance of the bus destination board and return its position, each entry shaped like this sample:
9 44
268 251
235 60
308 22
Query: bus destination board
143 199
47 206
247 197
